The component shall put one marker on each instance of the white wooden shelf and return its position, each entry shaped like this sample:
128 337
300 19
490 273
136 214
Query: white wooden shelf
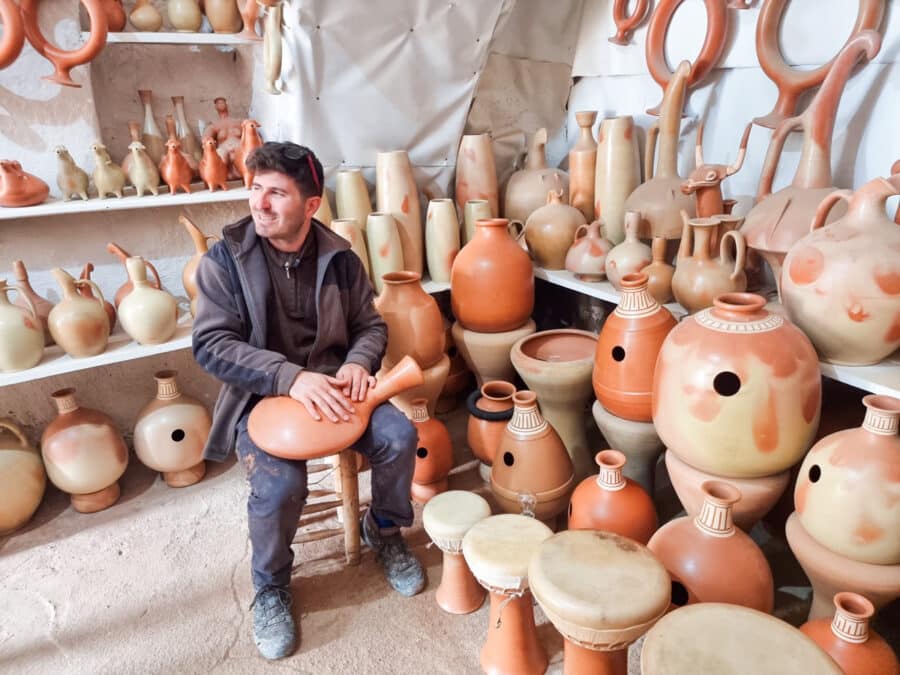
172 38
435 286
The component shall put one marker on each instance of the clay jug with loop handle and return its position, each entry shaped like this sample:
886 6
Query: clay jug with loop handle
698 277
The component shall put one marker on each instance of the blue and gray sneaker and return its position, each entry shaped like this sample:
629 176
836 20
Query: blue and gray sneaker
273 625
402 569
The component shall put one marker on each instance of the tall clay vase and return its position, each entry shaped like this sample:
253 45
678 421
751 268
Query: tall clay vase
21 337
476 173
434 454
780 219
698 277
22 477
147 314
350 230
183 130
526 190
78 324
531 468
151 136
441 238
840 282
324 213
556 365
396 193
492 281
848 639
84 454
351 195
490 409
223 15
613 503
272 46
189 271
659 273
583 165
414 321
385 250
249 10
41 305
87 291
475 210
550 231
711 560
145 17
184 15
13 33
630 256
171 431
488 354
638 441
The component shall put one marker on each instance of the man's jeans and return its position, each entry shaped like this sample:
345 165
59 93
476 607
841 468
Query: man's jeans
278 489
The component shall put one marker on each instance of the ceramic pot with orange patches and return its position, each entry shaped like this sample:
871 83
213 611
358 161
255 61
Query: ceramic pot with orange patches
848 492
841 282
18 187
617 174
476 172
21 337
632 255
78 324
583 165
737 389
526 189
383 244
396 193
434 454
441 238
414 321
22 477
586 257
550 230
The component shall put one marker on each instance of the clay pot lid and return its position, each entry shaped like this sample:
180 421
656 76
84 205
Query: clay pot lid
558 346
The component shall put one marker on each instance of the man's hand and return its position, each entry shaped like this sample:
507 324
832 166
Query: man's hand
318 392
354 381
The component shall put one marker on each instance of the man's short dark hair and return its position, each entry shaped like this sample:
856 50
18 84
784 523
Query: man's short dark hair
296 161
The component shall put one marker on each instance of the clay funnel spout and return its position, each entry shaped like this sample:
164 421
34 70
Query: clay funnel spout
536 158
670 121
197 235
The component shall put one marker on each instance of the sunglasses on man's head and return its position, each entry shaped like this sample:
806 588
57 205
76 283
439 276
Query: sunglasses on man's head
296 153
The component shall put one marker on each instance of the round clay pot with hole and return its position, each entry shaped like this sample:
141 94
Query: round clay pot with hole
490 409
434 454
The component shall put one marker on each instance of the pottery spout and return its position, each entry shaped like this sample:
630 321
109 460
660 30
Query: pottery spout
670 121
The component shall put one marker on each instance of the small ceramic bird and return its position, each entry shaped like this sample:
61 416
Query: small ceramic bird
108 176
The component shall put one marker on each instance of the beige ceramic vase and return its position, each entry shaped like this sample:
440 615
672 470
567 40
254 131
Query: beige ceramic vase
659 273
385 249
183 130
475 210
586 257
488 354
78 324
350 230
441 238
476 173
630 256
617 174
351 195
550 230
396 193
171 431
145 17
147 314
583 165
324 214
41 305
698 277
414 321
84 454
22 478
151 136
223 15
123 256
21 337
184 15
526 190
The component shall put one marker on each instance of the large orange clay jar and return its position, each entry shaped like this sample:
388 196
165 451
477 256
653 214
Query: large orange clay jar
627 349
434 454
492 281
737 390
613 503
848 491
414 321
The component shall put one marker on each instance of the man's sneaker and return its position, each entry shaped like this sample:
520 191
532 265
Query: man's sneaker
273 625
402 569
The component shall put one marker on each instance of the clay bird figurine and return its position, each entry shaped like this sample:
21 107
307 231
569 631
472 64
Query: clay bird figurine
71 179
250 140
108 176
213 169
142 172
174 168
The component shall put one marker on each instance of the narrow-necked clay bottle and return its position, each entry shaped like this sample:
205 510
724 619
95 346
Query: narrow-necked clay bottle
272 47
123 255
183 129
527 189
617 174
189 272
109 178
86 292
434 454
28 297
659 272
147 314
145 17
550 230
21 337
22 477
249 10
78 324
631 256
223 15
351 195
71 179
151 136
583 164
184 15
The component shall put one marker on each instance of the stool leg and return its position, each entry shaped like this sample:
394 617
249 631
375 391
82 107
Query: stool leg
514 647
350 506
578 660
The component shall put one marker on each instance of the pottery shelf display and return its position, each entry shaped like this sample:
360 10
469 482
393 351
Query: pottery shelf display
22 477
434 454
527 188
476 174
18 187
625 22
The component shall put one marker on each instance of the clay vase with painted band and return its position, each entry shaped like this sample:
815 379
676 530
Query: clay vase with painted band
351 195
848 492
189 271
711 560
492 281
84 454
737 389
583 164
627 348
22 477
630 256
13 38
659 273
625 23
145 17
611 502
41 305
385 250
348 229
698 277
223 15
476 209
586 257
617 175
147 314
171 431
282 426
476 173
490 409
841 282
531 463
21 336
396 193
184 15
526 189
847 638
441 238
18 187
550 230
434 454
124 255
414 321
79 325
86 291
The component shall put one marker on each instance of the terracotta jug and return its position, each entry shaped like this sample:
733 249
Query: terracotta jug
476 173
21 336
171 431
625 23
441 238
13 33
434 454
108 177
350 230
705 181
475 210
531 467
627 349
250 141
586 257
659 273
396 193
613 503
780 219
630 256
86 291
40 305
847 638
189 272
115 15
351 194
145 17
249 10
490 409
148 314
841 283
184 132
18 187
617 174
492 281
223 15
383 243
213 169
282 426
698 277
659 199
846 496
414 321
583 164
151 136
63 61
184 15
123 256
272 47
737 390
79 325
22 477
527 188
549 231
71 179
711 560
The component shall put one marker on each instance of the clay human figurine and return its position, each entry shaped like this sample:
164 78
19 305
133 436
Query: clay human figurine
142 171
18 187
174 168
213 169
108 176
227 132
71 179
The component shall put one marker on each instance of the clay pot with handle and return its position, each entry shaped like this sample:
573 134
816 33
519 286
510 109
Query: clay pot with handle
79 325
549 231
630 256
189 272
21 336
22 477
526 189
148 314
123 256
28 297
586 257
86 291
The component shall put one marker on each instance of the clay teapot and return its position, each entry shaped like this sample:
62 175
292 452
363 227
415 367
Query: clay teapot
549 231
699 278
28 298
189 272
125 288
527 188
18 187
629 257
148 314
86 291
840 282
586 257
434 454
21 337
71 179
213 169
22 477
79 325
13 33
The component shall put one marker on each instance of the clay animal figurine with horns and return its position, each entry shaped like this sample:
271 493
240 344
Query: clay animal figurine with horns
705 181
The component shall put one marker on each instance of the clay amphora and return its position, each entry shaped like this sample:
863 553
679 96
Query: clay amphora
223 15
476 173
434 454
586 257
13 33
660 199
148 314
22 477
350 230
21 336
78 324
531 467
171 431
475 210
71 179
183 130
28 298
625 23
249 10
145 17
627 349
550 230
659 273
282 426
189 272
213 169
108 177
86 291
847 638
142 171
123 256
630 256
184 15
351 195
18 187
699 278
490 409
705 181
492 281
84 454
611 502
272 47
583 165
174 168
527 188
383 243
711 560
441 238
115 15
63 61
737 390
782 218
396 193
847 496
414 321
250 141
617 174
151 136
840 282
